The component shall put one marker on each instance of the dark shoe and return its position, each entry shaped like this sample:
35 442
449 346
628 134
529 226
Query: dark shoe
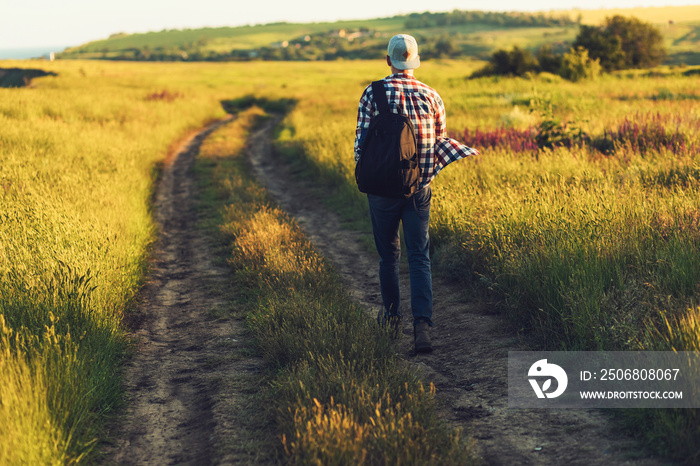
422 336
392 322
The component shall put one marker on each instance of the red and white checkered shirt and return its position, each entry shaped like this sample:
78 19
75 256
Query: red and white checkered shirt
423 105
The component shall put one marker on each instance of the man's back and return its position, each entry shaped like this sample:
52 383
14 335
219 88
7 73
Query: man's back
421 103
424 106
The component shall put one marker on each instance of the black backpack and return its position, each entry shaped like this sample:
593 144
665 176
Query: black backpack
388 164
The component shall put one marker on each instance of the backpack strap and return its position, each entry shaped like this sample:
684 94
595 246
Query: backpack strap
379 95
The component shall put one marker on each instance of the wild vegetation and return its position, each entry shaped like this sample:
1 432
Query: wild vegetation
19 77
580 218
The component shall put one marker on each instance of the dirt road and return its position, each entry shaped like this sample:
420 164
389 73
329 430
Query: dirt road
180 410
469 364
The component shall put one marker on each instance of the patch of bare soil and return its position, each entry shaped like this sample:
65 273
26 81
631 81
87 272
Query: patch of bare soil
180 405
469 363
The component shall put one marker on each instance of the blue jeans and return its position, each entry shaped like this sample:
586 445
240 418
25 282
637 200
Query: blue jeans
414 213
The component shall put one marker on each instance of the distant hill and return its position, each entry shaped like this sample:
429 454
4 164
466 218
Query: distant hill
450 34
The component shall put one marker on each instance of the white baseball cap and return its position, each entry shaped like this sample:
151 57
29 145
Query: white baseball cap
403 52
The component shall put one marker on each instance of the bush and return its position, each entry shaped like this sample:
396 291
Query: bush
517 62
577 65
574 65
623 43
548 60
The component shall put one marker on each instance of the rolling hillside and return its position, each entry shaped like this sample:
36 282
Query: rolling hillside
458 33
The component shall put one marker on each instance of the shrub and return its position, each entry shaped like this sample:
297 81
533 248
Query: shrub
552 131
623 43
577 65
548 60
517 62
574 65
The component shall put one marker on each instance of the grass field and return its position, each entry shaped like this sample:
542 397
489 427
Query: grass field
592 246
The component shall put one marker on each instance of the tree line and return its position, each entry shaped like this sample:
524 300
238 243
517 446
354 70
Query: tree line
508 19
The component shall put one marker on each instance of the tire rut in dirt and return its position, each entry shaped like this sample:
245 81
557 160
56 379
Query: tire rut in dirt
172 379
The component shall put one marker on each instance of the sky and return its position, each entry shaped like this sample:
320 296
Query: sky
41 23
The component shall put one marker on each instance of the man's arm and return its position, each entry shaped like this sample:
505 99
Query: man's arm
447 150
364 114
440 119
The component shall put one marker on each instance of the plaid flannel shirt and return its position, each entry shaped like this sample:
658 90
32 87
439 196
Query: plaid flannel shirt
423 105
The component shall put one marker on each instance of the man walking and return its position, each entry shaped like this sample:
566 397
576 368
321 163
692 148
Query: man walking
424 107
